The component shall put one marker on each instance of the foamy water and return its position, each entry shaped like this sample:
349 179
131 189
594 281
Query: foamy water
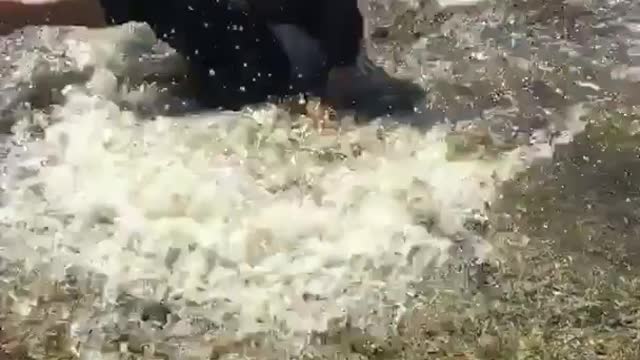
253 220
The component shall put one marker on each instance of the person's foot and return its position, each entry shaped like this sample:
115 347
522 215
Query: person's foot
369 90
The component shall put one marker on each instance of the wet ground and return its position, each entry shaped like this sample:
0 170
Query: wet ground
561 280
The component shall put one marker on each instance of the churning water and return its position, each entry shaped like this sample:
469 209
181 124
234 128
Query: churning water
255 221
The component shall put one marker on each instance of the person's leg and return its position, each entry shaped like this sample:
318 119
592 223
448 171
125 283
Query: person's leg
240 59
234 56
307 58
337 26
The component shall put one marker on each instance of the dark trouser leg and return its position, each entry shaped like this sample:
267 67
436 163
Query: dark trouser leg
307 59
235 58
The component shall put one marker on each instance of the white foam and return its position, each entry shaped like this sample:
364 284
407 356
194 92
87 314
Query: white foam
451 3
122 196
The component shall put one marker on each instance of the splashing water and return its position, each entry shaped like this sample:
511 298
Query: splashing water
253 220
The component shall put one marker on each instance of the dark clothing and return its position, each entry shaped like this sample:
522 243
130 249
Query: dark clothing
235 57
338 24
